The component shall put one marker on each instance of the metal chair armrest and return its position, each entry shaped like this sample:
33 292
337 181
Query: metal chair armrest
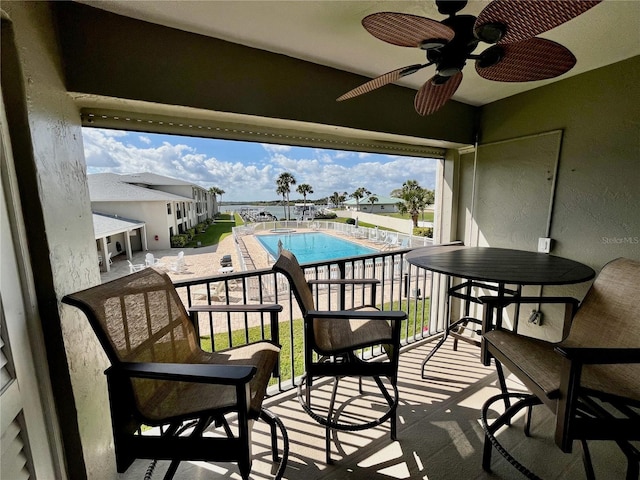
186 372
598 355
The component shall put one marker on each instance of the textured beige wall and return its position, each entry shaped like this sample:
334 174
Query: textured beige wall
596 209
596 212
63 194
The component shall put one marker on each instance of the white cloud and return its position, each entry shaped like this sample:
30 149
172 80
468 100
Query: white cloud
145 139
254 179
269 147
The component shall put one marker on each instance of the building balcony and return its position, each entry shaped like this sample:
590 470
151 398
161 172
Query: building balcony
439 431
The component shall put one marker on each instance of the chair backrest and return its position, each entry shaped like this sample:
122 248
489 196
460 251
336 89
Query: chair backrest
139 318
288 265
609 316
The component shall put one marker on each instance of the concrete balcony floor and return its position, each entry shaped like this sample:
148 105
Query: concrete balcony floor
439 433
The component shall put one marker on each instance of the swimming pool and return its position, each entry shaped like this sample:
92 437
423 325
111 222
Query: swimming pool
313 247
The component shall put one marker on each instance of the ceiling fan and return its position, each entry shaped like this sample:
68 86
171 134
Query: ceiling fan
510 26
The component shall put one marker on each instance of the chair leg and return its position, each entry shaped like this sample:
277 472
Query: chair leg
269 418
390 401
171 471
486 454
527 425
330 420
586 460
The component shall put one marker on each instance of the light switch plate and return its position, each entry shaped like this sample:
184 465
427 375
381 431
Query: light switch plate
544 245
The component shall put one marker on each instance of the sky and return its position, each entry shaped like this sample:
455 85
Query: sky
247 171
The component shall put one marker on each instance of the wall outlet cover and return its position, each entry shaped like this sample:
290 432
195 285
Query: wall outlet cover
544 245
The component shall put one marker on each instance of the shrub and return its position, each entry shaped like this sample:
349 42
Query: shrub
423 232
191 232
179 241
201 228
351 221
326 216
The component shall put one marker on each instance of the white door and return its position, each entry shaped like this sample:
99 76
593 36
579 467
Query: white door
26 442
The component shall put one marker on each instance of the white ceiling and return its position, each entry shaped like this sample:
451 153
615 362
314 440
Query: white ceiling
329 32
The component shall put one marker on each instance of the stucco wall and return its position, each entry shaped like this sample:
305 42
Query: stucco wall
59 184
597 204
595 214
154 214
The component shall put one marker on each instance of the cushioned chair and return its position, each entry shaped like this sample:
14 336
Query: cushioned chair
159 376
589 380
336 336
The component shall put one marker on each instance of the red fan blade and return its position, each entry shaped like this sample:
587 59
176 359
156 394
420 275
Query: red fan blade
525 19
381 81
529 60
404 29
432 96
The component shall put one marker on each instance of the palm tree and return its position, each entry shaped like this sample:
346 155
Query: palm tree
413 199
281 190
304 189
217 191
284 182
358 194
335 199
372 199
429 198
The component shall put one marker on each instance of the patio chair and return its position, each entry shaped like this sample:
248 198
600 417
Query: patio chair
135 267
179 265
151 261
336 337
160 377
589 380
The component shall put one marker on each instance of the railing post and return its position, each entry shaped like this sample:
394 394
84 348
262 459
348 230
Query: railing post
343 289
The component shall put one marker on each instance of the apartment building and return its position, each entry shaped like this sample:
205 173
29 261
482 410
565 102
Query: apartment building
167 206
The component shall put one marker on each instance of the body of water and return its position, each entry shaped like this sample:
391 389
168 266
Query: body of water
312 247
278 211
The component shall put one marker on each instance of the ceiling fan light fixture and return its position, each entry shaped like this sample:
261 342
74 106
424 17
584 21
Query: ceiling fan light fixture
490 57
449 67
491 32
439 80
433 43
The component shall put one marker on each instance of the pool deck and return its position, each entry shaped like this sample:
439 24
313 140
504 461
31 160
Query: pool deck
205 261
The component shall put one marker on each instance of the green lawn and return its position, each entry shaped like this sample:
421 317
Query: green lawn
221 340
218 230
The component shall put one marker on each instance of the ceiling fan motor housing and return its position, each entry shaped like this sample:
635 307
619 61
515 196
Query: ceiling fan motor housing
452 57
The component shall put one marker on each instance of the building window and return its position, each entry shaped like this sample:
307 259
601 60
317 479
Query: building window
108 240
168 209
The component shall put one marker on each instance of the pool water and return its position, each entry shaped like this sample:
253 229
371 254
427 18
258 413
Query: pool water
313 247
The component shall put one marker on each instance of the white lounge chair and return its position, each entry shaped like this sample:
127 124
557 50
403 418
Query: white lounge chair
390 242
179 265
151 261
135 267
